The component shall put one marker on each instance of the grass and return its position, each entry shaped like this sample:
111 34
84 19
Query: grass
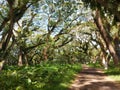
46 76
115 77
113 73
95 65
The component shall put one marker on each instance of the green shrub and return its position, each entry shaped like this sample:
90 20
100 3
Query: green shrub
113 71
46 76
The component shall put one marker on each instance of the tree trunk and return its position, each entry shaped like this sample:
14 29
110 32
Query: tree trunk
20 60
45 54
104 60
105 37
117 45
26 59
1 64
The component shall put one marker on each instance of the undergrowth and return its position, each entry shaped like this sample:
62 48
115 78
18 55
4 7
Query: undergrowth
46 76
95 65
113 73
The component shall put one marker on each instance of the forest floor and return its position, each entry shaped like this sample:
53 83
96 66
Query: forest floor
93 79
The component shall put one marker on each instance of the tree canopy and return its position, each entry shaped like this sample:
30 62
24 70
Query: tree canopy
36 30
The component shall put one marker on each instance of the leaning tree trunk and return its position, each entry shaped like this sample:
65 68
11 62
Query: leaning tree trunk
103 55
104 60
105 37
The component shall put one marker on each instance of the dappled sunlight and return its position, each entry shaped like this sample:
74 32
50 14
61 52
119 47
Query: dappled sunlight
93 79
48 44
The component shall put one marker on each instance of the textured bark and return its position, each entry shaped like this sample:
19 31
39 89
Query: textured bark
9 34
105 37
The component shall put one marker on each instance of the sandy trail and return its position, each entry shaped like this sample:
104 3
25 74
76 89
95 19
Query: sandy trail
93 79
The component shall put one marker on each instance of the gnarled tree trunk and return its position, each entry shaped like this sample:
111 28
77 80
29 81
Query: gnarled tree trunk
106 37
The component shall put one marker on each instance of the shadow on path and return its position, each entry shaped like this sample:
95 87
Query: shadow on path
93 79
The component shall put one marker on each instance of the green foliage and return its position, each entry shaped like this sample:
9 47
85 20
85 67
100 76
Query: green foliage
41 24
95 65
46 76
113 73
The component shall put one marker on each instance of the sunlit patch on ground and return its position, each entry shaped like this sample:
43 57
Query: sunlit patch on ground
93 79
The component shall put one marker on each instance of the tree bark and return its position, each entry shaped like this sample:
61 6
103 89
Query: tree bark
1 64
20 60
26 59
105 37
117 45
45 54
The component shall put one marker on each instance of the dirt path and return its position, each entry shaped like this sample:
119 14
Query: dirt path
93 79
